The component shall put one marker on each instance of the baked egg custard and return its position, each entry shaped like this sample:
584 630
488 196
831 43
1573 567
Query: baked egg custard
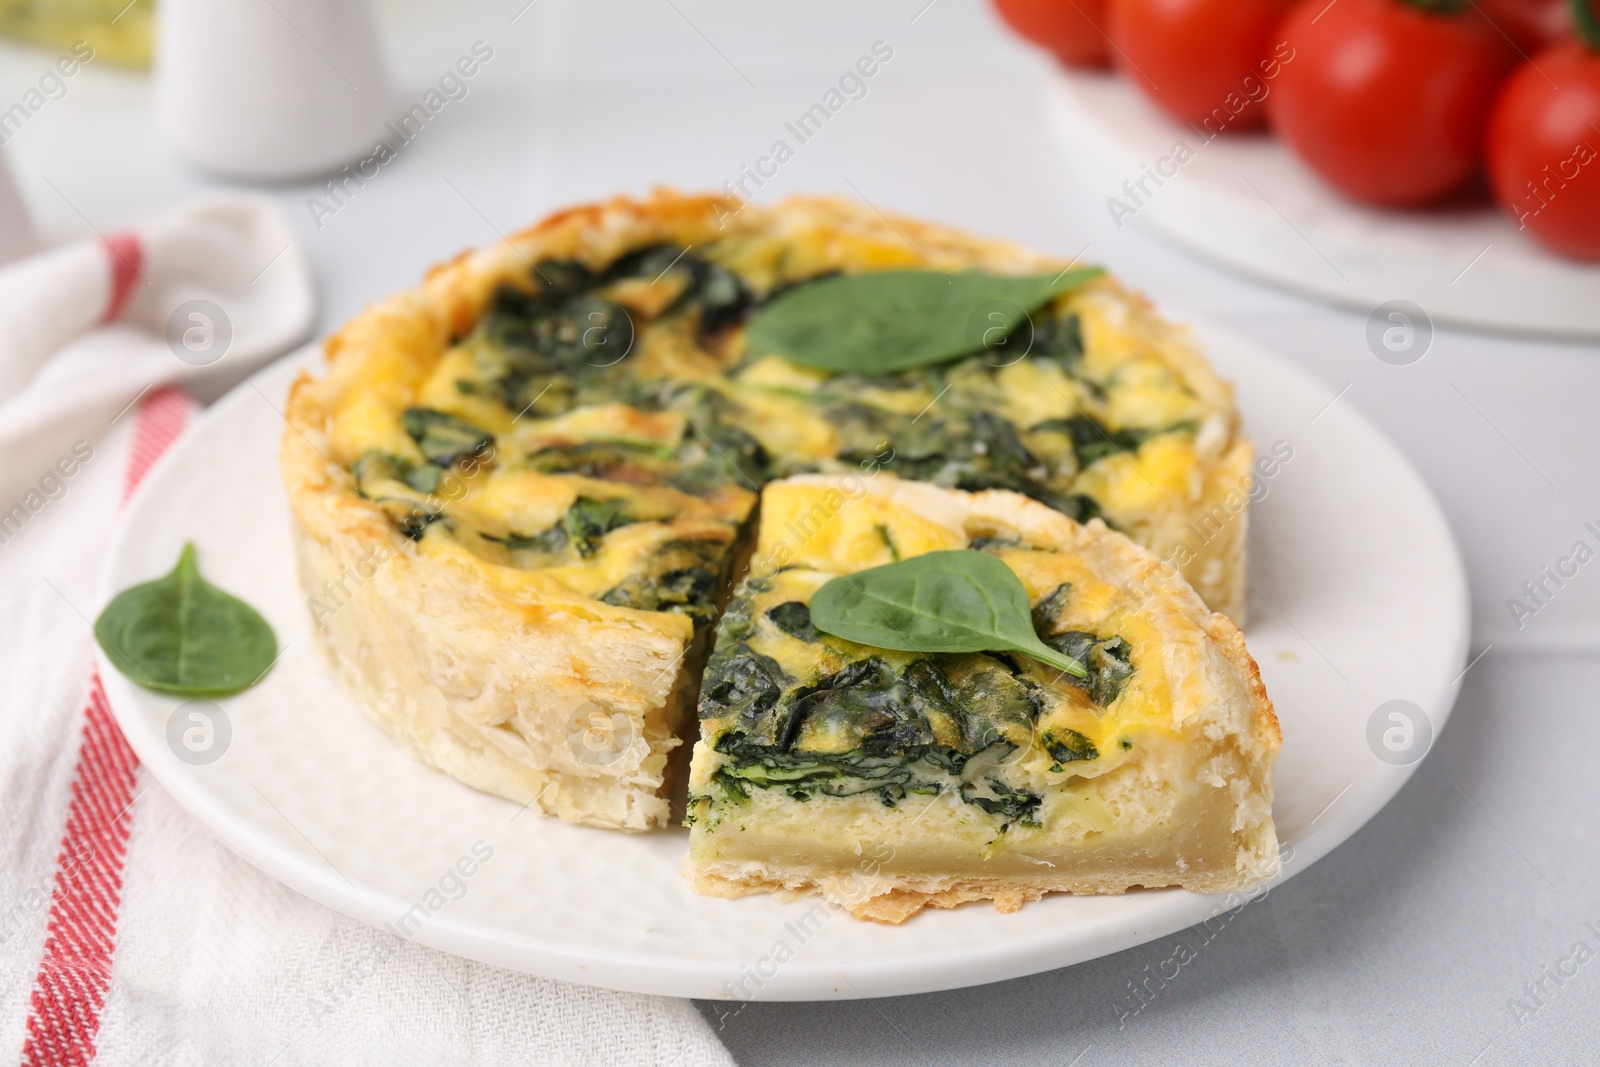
524 491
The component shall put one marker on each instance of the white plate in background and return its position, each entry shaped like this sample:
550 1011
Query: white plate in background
1245 202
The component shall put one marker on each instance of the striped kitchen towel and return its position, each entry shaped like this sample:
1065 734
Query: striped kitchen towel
128 935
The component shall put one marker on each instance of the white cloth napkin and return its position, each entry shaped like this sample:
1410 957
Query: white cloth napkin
128 935
84 329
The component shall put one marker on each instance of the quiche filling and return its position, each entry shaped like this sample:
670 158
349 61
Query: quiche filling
851 720
968 775
606 426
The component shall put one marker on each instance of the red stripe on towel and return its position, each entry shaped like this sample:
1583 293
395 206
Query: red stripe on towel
80 937
126 256
161 419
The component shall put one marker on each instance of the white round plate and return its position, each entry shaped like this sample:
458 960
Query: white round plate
1360 599
1247 203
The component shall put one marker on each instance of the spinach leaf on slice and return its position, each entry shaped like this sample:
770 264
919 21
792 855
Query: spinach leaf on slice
955 601
181 634
884 321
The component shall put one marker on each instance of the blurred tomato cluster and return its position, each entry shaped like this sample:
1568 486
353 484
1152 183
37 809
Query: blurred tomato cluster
1396 103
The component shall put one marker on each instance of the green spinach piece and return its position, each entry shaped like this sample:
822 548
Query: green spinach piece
717 452
549 541
682 576
997 798
956 601
445 438
613 461
181 634
720 295
562 278
744 686
1109 662
1049 609
559 347
588 521
1068 746
1092 441
1060 339
885 321
402 489
794 618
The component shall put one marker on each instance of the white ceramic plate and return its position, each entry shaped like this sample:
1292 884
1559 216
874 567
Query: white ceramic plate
1360 599
1247 203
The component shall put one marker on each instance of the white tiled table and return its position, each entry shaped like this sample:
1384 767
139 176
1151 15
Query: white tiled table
1406 945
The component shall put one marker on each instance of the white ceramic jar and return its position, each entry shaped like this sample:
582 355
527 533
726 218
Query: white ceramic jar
269 89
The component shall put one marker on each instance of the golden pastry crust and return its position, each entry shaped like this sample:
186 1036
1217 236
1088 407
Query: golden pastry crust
537 691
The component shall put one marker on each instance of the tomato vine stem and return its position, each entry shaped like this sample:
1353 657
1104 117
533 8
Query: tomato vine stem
1586 22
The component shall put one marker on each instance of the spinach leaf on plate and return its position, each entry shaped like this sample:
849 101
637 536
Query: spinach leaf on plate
181 634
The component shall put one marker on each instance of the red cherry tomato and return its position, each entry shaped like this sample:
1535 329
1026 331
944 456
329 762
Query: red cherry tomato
1544 149
1070 29
1201 61
1386 101
1529 24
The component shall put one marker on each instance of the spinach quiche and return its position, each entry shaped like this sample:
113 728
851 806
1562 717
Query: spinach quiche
523 491
894 780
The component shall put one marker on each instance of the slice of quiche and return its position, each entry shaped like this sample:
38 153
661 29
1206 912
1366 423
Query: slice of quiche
892 780
520 494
